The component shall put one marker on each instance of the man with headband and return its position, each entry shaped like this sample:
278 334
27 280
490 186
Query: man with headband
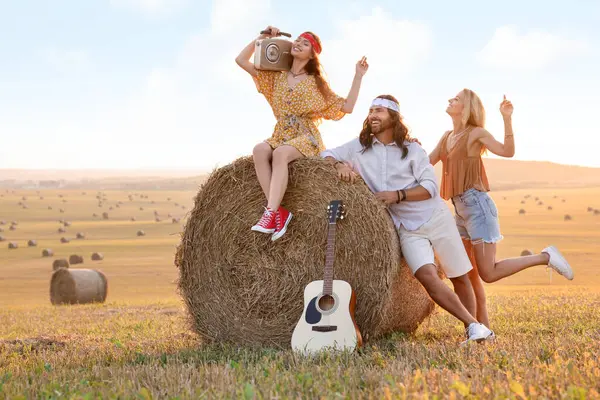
398 172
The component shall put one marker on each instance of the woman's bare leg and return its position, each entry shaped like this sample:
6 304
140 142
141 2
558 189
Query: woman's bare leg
480 300
282 156
262 155
492 271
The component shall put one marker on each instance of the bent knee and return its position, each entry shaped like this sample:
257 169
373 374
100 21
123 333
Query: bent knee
461 280
262 150
427 273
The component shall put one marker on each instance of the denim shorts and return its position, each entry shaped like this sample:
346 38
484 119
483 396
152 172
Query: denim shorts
477 217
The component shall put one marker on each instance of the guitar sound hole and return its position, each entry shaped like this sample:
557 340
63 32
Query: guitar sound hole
326 302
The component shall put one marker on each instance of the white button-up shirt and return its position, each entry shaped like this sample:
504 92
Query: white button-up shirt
383 169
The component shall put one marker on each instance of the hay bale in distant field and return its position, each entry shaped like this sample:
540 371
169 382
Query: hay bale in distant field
2 238
2 222
522 201
95 215
563 200
62 211
176 204
14 223
110 208
526 252
540 203
568 217
67 223
168 199
64 201
80 235
41 197
590 209
141 233
596 212
176 220
61 230
132 219
12 228
75 259
78 286
521 211
60 263
49 207
105 215
47 253
157 219
118 206
97 257
13 245
550 208
141 208
60 195
31 243
242 288
183 207
64 240
1 230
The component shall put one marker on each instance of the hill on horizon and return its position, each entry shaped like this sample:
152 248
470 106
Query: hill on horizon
503 175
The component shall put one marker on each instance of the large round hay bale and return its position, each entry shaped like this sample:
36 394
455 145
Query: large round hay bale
596 212
12 228
105 215
80 235
97 257
526 252
31 243
67 224
241 287
568 217
61 230
550 208
75 259
13 245
60 263
141 233
64 240
61 211
78 286
47 253
521 211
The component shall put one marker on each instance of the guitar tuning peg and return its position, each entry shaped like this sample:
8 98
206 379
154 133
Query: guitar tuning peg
342 217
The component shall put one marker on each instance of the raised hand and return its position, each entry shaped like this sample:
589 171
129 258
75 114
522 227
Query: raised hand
362 66
506 107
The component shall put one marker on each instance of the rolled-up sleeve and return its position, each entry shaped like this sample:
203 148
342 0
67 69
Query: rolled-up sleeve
423 172
341 153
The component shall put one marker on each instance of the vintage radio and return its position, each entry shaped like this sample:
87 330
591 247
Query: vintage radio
273 54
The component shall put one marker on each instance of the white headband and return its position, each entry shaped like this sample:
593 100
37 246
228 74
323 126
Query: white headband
392 105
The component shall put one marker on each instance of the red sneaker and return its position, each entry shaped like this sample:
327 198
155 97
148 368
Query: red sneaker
266 224
282 219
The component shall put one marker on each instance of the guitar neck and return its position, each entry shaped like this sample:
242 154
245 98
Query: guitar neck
329 258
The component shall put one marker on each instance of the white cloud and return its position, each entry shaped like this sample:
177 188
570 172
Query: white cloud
509 49
66 61
150 7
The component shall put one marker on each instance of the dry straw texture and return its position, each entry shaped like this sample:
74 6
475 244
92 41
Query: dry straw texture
78 286
241 287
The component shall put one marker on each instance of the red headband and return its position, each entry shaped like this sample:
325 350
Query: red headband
312 41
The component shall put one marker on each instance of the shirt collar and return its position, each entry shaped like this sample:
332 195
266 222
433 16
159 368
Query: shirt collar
375 140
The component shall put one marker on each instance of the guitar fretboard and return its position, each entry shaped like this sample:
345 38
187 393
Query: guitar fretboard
329 258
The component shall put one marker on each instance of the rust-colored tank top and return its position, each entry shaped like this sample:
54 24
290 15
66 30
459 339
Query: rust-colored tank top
459 171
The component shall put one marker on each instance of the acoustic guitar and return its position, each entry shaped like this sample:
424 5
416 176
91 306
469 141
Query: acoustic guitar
327 322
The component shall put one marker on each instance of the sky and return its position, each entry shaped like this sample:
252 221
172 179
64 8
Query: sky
153 83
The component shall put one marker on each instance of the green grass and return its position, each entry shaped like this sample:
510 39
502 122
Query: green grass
547 347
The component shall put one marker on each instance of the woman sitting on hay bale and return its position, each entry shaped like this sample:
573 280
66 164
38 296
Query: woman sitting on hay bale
410 192
300 98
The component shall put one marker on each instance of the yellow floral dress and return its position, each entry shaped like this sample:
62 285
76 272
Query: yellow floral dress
298 111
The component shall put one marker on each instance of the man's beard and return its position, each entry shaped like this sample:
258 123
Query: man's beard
382 126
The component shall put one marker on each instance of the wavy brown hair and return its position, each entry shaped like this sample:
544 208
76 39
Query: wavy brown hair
314 68
400 130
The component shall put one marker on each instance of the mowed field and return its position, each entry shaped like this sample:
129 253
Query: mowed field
138 344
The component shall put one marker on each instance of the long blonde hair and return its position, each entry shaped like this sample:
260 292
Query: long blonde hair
473 112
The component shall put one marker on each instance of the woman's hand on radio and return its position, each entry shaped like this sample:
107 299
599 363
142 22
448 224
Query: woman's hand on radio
271 32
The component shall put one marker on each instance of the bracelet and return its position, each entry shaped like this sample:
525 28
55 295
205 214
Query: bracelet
403 194
398 193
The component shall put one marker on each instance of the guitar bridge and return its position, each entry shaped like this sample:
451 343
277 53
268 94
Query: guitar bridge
324 328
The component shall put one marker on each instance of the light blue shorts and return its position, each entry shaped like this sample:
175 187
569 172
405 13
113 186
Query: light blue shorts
477 217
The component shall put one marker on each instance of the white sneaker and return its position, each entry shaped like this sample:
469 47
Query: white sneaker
478 332
558 262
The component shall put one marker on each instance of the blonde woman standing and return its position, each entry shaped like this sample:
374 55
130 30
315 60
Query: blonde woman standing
464 181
